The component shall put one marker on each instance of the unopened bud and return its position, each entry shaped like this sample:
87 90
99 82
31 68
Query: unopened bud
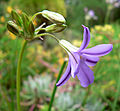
26 21
53 17
12 27
54 28
16 18
31 28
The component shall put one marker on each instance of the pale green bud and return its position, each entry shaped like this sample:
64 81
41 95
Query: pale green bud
53 17
54 28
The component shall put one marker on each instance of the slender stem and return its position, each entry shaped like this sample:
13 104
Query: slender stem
55 87
86 96
107 15
33 17
18 75
45 34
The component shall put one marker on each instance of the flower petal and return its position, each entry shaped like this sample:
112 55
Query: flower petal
99 50
74 61
65 76
85 75
90 60
67 45
86 38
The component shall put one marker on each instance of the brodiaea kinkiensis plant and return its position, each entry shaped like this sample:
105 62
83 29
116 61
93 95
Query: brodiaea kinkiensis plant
79 58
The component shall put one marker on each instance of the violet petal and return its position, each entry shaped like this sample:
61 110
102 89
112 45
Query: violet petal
99 50
85 75
74 61
65 76
90 60
86 38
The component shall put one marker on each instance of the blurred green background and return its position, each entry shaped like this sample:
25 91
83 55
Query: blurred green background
42 61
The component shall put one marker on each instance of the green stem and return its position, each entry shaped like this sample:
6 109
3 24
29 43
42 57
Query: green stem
18 75
47 34
107 15
55 87
86 96
33 17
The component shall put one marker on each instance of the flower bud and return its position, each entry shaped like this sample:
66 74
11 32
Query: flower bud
54 28
16 18
31 28
12 27
26 21
53 17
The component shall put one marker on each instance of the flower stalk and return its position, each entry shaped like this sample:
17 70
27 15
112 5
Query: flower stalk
55 87
107 15
18 75
47 34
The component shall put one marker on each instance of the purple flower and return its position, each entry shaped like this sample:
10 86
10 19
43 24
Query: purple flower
91 13
81 58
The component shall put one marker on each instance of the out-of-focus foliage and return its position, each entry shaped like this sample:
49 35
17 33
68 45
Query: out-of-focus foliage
33 6
36 90
76 11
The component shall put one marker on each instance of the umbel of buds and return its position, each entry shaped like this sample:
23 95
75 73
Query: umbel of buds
23 27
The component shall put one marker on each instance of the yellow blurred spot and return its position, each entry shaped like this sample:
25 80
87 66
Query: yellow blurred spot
100 38
2 19
98 27
108 27
12 36
77 43
56 75
35 22
119 36
9 9
92 30
61 60
19 11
